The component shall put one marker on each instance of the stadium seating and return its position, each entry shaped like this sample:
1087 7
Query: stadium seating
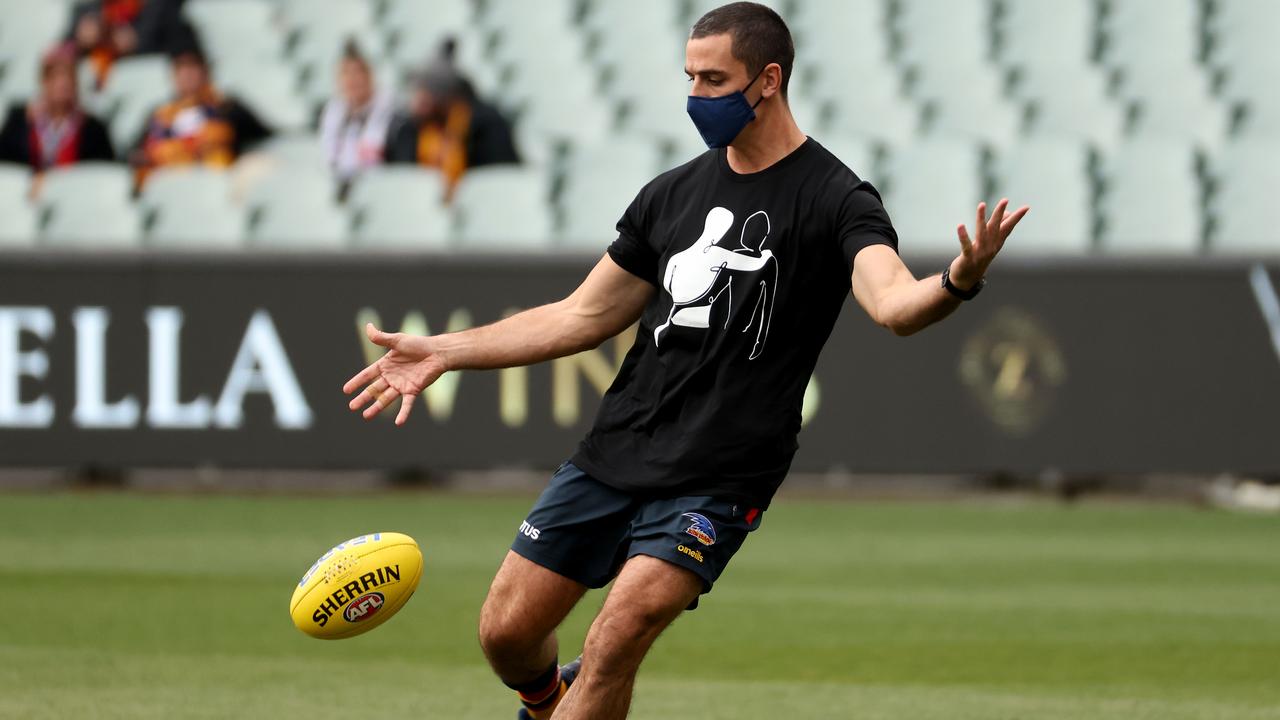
15 182
930 187
1046 33
109 227
86 187
1072 106
19 226
298 227
1067 102
237 29
18 220
414 28
135 88
502 208
931 33
1174 103
1247 176
850 36
296 149
88 205
697 8
1161 33
290 184
601 183
192 209
651 96
401 207
858 154
27 30
271 91
201 227
1242 43
1053 177
335 20
641 22
1153 199
953 95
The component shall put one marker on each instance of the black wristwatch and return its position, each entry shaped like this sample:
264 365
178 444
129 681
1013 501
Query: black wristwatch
969 294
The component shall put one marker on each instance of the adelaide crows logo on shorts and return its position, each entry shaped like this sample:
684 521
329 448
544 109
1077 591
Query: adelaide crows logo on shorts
702 529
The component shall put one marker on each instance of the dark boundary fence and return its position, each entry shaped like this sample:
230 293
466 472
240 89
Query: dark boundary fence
1073 367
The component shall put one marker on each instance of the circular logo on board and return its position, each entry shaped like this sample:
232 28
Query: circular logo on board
1014 368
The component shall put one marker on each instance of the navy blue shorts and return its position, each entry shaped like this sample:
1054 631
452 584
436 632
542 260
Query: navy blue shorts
585 530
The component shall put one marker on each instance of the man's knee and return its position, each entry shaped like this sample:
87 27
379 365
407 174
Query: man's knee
524 606
635 615
503 635
618 641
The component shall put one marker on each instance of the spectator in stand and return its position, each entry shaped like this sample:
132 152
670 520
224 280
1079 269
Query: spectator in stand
353 127
53 129
103 31
448 127
200 126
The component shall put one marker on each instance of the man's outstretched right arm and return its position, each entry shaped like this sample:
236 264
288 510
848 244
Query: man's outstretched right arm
605 304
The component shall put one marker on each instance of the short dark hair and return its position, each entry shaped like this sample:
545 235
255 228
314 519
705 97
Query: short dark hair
758 34
188 50
351 53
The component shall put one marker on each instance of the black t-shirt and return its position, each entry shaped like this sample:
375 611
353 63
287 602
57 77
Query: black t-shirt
752 271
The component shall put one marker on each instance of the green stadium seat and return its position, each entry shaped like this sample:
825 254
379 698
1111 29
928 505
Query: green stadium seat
600 183
18 218
296 149
1070 103
192 209
857 153
1142 217
930 186
1244 204
297 227
1047 33
1160 33
950 94
87 186
503 208
230 30
106 227
1053 177
401 207
930 32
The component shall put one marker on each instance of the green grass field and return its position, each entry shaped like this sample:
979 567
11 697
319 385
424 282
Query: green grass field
140 607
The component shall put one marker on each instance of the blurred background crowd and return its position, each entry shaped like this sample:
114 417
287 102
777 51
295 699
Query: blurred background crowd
1133 126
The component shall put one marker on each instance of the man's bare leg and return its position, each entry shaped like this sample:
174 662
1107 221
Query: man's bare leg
526 603
646 597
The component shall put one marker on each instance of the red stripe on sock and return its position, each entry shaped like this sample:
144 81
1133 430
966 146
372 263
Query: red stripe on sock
541 696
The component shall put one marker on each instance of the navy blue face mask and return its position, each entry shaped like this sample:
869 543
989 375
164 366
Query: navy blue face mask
720 119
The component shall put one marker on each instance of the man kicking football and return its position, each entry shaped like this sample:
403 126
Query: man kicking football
736 266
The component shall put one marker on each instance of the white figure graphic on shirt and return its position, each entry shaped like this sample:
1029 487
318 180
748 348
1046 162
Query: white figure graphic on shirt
699 276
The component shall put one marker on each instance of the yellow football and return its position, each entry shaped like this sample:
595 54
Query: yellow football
356 586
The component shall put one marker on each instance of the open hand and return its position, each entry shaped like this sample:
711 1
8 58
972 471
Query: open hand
989 236
408 368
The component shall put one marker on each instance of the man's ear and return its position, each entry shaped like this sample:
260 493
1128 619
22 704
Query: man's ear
772 78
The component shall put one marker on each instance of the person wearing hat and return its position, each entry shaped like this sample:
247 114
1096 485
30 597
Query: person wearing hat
448 126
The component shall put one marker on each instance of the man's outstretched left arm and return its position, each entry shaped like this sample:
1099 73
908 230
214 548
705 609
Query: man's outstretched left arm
896 300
